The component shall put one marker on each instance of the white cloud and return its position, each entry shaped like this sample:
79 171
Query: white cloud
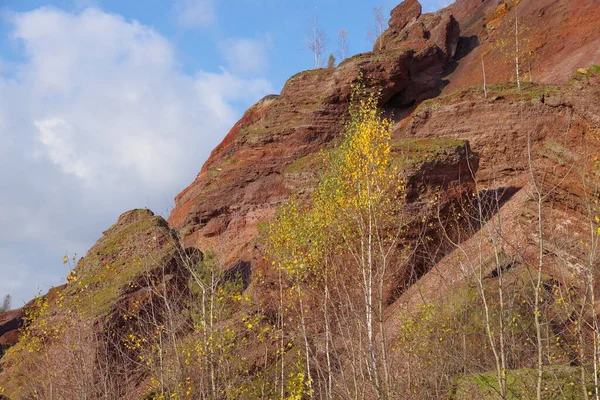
97 119
58 137
192 14
245 56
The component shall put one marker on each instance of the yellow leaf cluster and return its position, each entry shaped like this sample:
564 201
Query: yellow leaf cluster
359 180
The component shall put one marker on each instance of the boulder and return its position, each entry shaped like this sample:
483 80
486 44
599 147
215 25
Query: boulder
403 14
11 320
10 324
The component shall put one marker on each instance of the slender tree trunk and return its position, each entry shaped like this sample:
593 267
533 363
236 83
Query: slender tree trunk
538 282
490 334
305 335
595 325
383 337
499 268
517 46
368 294
282 341
591 261
499 356
211 321
327 338
484 78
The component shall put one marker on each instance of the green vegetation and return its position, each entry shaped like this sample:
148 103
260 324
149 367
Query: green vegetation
346 219
411 152
317 73
114 261
391 54
593 70
311 162
142 314
331 61
560 153
561 382
5 304
405 153
528 92
455 330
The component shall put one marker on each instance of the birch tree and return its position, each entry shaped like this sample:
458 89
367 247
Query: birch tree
378 28
516 46
353 221
342 41
316 43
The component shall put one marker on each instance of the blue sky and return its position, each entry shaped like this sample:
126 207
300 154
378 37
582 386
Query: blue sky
108 105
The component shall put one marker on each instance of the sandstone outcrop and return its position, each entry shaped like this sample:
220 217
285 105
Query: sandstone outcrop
242 181
408 28
456 148
555 39
109 284
558 130
10 322
403 14
415 59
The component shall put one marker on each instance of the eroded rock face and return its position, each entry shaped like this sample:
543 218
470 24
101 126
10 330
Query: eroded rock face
429 166
457 145
242 182
499 126
555 39
135 262
10 322
420 55
408 28
560 129
403 14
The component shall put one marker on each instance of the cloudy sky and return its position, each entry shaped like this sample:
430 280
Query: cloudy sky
108 105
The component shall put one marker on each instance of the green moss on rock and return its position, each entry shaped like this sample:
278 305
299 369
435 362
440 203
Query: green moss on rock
411 152
137 243
509 90
307 163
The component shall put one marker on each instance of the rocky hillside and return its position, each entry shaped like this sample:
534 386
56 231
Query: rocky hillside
555 39
500 186
244 179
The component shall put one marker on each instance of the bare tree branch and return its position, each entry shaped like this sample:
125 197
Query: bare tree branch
316 43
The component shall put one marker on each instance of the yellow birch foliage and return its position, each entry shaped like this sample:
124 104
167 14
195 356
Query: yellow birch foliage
360 177
365 156
352 221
